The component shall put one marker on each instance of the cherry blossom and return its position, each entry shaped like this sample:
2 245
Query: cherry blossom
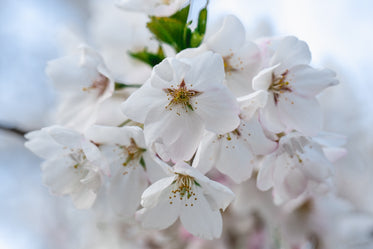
188 195
82 83
183 97
298 167
292 86
72 165
130 165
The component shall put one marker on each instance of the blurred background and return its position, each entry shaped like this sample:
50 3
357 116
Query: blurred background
338 32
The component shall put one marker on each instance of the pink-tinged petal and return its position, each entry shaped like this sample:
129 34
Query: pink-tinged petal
219 110
180 134
125 190
252 132
206 153
200 220
206 72
161 215
309 82
229 37
333 154
301 114
330 139
153 194
137 106
289 51
270 117
235 159
263 80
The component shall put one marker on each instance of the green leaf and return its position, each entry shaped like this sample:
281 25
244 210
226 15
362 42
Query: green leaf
142 162
119 86
181 15
149 58
202 20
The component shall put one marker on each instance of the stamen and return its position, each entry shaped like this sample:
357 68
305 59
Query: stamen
279 85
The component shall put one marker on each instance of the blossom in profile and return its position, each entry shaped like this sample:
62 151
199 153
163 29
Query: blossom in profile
292 86
72 163
82 82
189 195
183 97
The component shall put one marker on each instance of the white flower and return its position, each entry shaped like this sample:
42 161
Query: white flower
292 86
82 82
183 97
234 153
152 7
297 168
72 165
242 58
187 194
130 165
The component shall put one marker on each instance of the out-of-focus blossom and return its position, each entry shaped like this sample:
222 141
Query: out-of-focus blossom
292 86
72 165
82 82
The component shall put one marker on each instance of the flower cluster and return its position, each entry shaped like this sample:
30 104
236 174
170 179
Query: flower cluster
215 113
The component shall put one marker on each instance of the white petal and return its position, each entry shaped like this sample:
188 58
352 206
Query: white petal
301 114
161 215
83 198
333 154
207 153
59 175
65 137
252 132
200 220
125 190
137 106
219 110
152 195
217 195
249 104
230 36
113 135
295 183
207 71
307 81
170 72
154 170
90 150
289 51
265 174
180 134
235 159
270 117
264 78
42 144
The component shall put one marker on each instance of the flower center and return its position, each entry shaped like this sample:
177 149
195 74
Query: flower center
180 96
279 85
133 153
78 157
184 188
100 84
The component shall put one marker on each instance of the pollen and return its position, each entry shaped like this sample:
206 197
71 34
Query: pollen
184 186
279 85
133 152
181 96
